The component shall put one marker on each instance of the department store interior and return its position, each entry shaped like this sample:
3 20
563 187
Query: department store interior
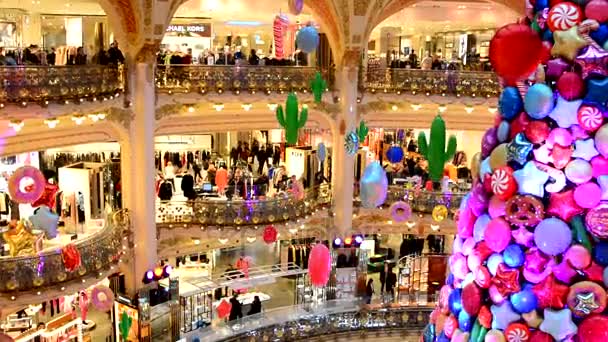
240 207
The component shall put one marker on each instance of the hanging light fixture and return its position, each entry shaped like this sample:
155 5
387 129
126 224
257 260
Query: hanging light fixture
52 123
16 125
247 106
469 109
78 118
218 106
416 106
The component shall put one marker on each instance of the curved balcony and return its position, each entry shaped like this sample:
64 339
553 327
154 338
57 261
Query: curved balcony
98 253
237 79
424 201
432 82
306 322
45 84
237 213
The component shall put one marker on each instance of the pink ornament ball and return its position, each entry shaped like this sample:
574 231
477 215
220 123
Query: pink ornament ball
498 234
319 265
570 86
458 266
599 165
466 221
578 257
587 195
497 207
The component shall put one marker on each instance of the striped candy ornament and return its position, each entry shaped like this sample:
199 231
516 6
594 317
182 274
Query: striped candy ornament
503 183
590 118
564 16
279 27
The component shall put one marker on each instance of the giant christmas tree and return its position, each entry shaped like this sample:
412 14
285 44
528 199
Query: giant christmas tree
530 259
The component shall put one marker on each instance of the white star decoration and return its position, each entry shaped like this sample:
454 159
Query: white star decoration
585 149
565 112
558 323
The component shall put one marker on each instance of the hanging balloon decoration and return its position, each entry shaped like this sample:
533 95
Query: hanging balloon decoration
71 258
307 39
279 29
321 152
319 265
296 6
351 143
29 192
400 211
394 154
270 234
374 185
224 308
102 298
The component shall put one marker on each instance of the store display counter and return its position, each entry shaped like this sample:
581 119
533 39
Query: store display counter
64 328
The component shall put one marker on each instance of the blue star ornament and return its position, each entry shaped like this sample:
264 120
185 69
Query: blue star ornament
46 221
558 323
597 90
531 180
503 315
519 149
565 112
585 149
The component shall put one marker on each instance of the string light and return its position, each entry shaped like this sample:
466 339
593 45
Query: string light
272 106
492 109
52 123
394 108
16 125
191 109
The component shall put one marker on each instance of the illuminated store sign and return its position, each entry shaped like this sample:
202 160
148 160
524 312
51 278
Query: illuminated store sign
200 30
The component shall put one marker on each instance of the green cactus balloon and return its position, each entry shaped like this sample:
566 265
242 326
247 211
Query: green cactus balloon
362 131
125 325
434 151
289 119
318 86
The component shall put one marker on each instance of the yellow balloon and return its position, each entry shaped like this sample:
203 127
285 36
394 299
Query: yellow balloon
495 335
498 157
475 165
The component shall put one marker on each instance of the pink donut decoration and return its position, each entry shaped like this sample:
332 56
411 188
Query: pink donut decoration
400 211
31 192
103 298
590 118
564 16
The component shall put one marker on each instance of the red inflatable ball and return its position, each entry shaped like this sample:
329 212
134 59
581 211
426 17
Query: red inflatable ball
270 234
319 265
537 131
593 329
597 10
540 336
471 299
515 52
571 86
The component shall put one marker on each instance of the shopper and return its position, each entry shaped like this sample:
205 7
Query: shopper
81 57
391 282
383 272
253 58
369 291
236 311
115 56
256 306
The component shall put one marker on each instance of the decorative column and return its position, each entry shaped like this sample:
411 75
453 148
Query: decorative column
343 174
138 171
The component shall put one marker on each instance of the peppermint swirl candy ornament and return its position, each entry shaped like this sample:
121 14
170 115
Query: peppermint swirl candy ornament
590 118
503 183
517 332
564 16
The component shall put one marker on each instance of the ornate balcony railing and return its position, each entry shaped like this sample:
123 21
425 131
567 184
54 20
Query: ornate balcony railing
46 84
218 78
431 82
98 252
424 201
307 322
221 212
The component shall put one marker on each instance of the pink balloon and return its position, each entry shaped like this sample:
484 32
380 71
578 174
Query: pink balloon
560 136
478 201
578 257
498 234
536 278
599 165
497 207
458 266
468 246
466 221
457 246
587 195
564 272
319 265
495 295
473 261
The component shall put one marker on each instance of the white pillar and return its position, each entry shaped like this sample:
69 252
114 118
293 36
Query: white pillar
343 175
138 175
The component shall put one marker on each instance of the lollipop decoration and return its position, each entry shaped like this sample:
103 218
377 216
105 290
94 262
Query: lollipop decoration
532 241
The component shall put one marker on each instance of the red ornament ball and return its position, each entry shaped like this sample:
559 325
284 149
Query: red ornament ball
593 329
515 52
571 86
537 131
597 10
471 299
270 234
540 336
504 185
